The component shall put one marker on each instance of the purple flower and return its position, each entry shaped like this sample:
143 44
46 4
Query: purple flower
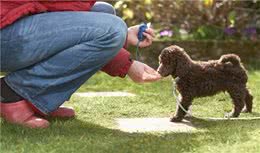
230 30
166 33
250 31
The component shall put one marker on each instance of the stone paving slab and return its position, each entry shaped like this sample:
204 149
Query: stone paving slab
153 125
104 94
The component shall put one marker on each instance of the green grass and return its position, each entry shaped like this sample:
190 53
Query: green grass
93 130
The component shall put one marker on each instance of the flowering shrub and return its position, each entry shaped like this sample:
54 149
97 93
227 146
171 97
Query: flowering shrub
195 19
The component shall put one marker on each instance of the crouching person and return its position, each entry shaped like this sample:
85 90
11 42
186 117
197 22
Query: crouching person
49 49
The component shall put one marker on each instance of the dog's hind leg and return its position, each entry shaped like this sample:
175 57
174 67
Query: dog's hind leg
238 96
180 113
248 102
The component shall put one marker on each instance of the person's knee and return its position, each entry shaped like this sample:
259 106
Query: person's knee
121 32
106 31
103 7
115 33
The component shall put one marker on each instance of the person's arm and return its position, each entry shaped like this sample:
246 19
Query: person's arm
119 65
122 65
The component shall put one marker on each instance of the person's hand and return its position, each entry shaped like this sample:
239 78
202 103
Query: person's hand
140 73
132 38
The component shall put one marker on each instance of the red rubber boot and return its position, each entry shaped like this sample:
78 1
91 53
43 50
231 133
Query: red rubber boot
61 112
21 113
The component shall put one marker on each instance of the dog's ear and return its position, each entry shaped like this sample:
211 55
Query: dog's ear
166 59
165 56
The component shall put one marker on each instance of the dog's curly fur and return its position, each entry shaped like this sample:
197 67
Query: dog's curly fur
199 79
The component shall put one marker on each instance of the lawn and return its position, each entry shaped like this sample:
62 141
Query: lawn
94 128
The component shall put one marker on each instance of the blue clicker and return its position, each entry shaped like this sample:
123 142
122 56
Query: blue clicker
142 29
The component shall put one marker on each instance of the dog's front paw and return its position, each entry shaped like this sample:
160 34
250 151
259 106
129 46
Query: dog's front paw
176 119
231 115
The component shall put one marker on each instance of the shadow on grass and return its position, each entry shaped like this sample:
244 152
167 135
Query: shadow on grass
80 136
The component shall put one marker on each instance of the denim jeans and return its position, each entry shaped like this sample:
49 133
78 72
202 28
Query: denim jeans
50 55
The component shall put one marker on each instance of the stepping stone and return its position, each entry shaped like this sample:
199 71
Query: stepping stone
153 125
104 94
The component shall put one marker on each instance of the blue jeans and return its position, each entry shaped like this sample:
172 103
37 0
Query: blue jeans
50 55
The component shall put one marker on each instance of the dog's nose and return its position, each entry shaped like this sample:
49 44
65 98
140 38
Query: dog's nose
159 70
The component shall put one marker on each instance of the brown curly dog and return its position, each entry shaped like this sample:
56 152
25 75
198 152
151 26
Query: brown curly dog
199 79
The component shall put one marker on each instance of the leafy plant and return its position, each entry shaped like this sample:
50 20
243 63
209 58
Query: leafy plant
194 19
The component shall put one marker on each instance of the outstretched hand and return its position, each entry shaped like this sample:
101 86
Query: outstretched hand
132 38
141 73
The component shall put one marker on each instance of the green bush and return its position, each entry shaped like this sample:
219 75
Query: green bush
189 20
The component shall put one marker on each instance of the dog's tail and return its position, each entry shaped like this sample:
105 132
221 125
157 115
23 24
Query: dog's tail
230 59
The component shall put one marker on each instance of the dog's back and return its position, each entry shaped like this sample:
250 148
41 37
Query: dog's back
228 67
210 77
